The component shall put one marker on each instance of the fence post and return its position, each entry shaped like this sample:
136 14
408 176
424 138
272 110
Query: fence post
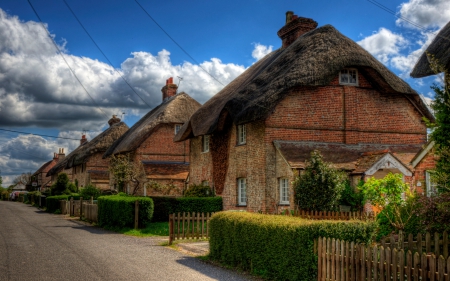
136 214
81 208
171 228
71 207
92 200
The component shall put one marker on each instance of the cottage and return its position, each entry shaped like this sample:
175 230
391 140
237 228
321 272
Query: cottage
150 142
85 164
40 176
320 90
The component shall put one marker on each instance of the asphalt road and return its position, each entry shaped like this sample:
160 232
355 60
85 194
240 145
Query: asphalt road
38 246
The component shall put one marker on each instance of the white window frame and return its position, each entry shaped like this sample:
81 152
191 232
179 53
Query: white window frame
430 186
346 71
284 191
205 183
177 128
242 134
242 191
205 143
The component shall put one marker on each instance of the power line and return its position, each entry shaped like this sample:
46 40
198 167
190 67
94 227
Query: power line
37 134
179 46
61 54
98 47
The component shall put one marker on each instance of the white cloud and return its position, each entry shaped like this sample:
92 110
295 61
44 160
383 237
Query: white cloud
261 51
426 13
383 44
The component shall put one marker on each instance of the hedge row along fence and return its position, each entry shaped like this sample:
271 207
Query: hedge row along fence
118 211
278 247
164 206
52 202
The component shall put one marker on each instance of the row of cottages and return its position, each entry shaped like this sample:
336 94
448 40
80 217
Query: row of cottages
320 90
85 165
40 177
150 142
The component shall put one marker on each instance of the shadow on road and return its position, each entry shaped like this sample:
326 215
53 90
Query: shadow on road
210 270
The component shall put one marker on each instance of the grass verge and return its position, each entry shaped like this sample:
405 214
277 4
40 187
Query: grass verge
153 229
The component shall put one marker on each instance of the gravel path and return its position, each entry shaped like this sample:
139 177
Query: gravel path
38 246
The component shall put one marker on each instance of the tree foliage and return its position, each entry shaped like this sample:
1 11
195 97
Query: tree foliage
125 171
320 186
61 186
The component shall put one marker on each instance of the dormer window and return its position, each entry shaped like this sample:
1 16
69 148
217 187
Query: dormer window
177 128
348 76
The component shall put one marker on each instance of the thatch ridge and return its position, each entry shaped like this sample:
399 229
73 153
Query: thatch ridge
314 59
62 163
440 48
177 109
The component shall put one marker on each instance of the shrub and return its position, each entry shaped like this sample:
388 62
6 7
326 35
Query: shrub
195 190
277 247
89 191
320 186
52 202
72 187
164 206
5 195
61 185
349 197
434 212
118 211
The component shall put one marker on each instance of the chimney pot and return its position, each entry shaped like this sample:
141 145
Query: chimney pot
169 90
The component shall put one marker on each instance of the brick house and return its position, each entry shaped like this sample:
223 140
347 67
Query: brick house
150 141
320 90
423 163
40 176
85 165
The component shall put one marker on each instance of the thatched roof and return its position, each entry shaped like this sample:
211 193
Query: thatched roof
440 48
351 157
175 110
314 59
99 144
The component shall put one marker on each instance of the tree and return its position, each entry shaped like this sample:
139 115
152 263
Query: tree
320 186
388 194
61 185
24 178
125 171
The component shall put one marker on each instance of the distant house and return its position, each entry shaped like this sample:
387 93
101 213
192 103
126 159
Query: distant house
320 90
150 141
85 164
40 176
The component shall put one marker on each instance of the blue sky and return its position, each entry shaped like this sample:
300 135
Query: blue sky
38 94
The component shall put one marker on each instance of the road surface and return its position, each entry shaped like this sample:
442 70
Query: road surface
35 245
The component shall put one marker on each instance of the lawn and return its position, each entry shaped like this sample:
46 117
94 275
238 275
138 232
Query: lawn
153 229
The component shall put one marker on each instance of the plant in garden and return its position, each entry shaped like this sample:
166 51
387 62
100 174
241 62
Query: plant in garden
198 190
61 186
434 212
124 170
387 194
350 197
320 186
89 191
165 189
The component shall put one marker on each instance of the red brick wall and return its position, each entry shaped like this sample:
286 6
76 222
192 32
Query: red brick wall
426 164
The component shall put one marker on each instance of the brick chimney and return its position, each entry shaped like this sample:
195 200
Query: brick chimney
113 120
83 139
61 154
295 27
55 156
169 90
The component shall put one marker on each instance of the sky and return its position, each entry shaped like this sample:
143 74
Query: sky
142 43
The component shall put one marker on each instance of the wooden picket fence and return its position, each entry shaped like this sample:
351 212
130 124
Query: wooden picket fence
90 212
345 261
437 244
73 208
188 226
326 215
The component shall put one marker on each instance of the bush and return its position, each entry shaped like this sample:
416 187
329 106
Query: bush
89 191
36 195
277 247
195 190
61 185
164 206
118 211
434 213
320 186
52 202
349 197
5 195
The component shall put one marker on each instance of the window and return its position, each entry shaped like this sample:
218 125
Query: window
431 186
205 183
348 76
205 143
242 134
284 191
242 192
177 128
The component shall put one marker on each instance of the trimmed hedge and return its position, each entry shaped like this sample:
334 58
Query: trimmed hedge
170 205
277 247
52 202
118 211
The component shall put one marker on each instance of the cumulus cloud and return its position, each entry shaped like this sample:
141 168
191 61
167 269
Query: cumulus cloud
261 51
426 13
383 44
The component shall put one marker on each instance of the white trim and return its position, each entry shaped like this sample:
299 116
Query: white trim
242 191
284 191
388 162
349 83
422 154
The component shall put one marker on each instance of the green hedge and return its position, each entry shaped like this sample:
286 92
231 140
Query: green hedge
277 247
118 211
52 202
170 205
